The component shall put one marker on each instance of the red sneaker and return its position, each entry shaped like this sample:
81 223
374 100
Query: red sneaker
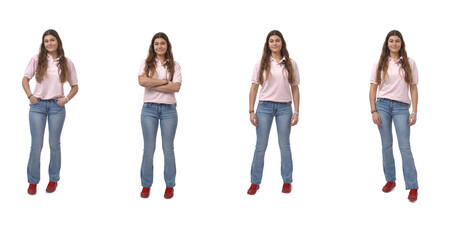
412 195
253 189
169 193
286 188
31 189
388 187
145 192
51 187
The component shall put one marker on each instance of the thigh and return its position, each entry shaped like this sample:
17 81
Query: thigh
149 123
283 120
37 119
168 123
383 108
264 115
56 117
401 121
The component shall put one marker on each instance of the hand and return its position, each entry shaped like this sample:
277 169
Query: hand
61 101
253 119
33 100
294 119
412 119
376 119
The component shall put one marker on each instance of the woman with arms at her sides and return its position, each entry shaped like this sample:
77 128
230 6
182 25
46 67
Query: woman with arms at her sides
161 78
396 75
51 70
278 76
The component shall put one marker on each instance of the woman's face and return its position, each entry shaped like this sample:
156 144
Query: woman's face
394 44
275 44
50 43
160 46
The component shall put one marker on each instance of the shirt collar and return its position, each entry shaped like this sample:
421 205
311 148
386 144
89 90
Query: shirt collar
273 59
399 60
159 62
49 57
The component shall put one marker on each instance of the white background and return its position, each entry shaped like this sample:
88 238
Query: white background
336 147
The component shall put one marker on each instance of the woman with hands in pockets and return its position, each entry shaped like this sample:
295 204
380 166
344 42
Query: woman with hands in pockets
51 70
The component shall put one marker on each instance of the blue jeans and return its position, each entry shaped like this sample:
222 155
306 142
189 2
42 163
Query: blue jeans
153 114
55 115
398 112
265 112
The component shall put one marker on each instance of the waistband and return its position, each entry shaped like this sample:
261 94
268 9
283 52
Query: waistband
274 102
390 100
160 104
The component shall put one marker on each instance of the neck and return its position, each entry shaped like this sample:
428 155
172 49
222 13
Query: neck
277 56
161 58
395 56
53 55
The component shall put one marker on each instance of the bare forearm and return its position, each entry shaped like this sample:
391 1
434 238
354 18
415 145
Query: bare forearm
168 88
296 98
151 82
26 86
73 92
253 94
414 97
373 90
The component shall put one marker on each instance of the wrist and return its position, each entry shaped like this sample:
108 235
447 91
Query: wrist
296 113
415 113
67 99
29 96
251 111
373 111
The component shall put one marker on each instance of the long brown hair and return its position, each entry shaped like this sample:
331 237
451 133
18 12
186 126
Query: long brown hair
265 60
41 69
383 65
150 62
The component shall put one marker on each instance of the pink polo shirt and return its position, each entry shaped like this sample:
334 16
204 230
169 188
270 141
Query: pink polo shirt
50 87
277 87
161 72
394 87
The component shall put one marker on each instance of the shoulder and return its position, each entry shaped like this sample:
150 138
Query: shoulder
143 63
35 58
258 64
293 62
411 61
68 60
176 64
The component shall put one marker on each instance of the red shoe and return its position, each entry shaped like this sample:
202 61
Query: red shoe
31 189
169 193
388 187
412 195
286 188
51 187
253 189
145 192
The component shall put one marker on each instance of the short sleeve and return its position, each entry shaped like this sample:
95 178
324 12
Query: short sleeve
415 73
31 67
373 74
72 78
141 68
296 73
254 79
177 73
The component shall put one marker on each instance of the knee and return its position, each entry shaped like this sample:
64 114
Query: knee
285 146
54 145
168 150
387 144
37 146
